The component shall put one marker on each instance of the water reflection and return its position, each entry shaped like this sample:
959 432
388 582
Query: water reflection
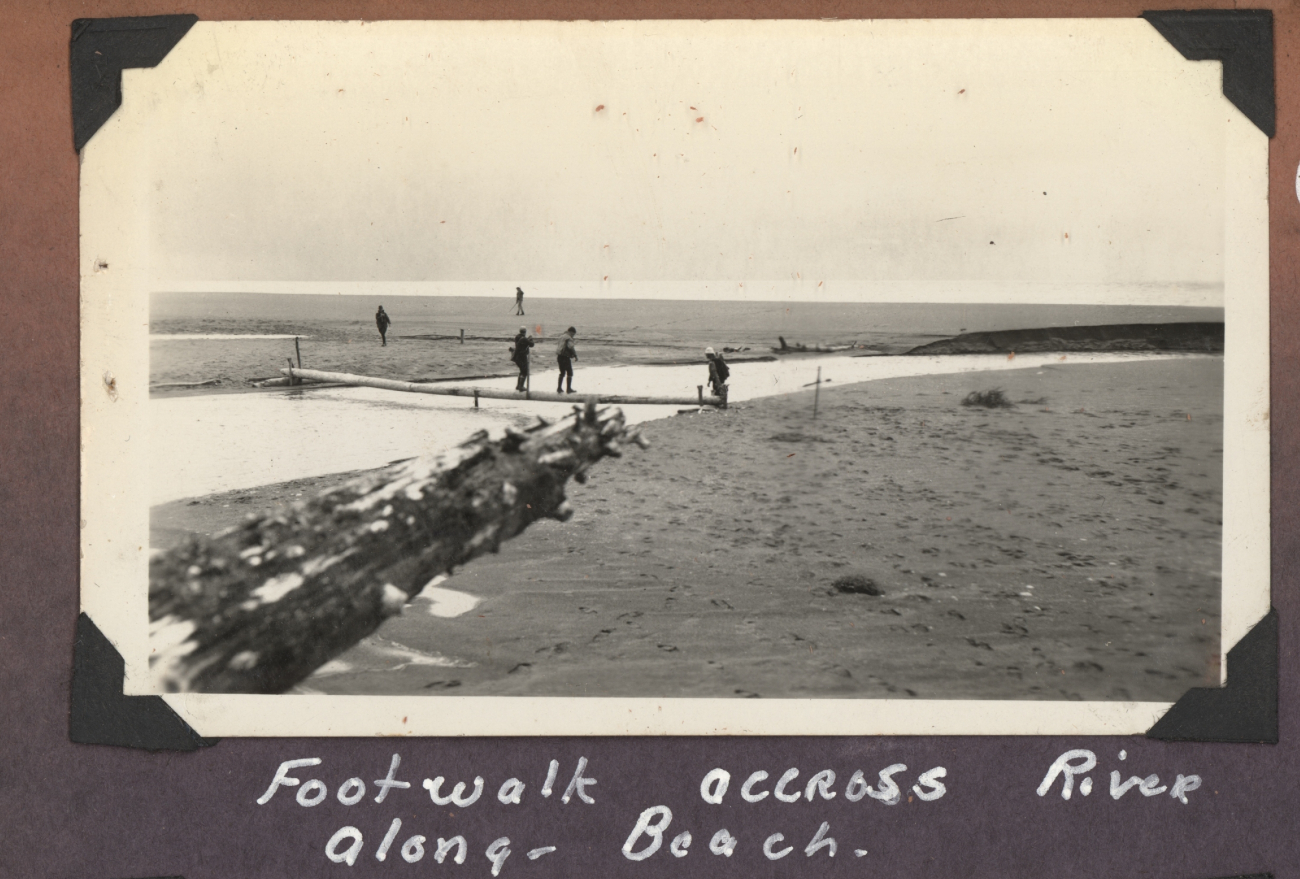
203 444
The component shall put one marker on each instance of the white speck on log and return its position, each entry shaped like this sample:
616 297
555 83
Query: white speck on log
168 638
168 632
393 600
556 459
277 587
242 661
312 567
483 536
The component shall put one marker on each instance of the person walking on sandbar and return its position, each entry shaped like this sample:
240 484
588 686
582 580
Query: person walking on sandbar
382 321
566 353
519 300
519 354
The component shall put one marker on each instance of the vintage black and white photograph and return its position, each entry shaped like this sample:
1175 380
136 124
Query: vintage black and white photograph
520 376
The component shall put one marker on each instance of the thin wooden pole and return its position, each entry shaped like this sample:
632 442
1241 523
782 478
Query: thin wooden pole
297 351
293 379
699 390
462 337
817 392
317 375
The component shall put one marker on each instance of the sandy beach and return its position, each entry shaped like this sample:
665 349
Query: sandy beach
1065 548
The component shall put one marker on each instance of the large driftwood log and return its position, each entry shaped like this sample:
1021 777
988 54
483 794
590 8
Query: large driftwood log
259 607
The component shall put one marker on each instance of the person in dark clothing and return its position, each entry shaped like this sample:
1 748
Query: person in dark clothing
719 372
382 321
565 354
519 300
519 354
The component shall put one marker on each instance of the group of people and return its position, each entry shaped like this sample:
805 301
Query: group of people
565 353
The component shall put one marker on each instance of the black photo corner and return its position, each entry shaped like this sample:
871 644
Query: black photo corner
102 715
1245 710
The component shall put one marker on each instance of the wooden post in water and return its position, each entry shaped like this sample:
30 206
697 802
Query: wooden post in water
297 351
259 607
817 392
462 337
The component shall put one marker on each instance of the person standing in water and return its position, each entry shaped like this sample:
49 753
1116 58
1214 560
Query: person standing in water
519 354
565 354
519 300
382 321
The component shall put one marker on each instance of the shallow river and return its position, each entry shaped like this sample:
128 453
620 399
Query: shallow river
210 443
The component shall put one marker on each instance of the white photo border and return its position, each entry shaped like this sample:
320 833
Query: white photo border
115 444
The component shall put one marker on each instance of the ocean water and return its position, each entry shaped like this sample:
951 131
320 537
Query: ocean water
658 323
213 442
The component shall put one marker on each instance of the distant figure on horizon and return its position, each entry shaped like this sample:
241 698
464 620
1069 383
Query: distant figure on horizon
719 372
382 321
519 354
519 300
565 354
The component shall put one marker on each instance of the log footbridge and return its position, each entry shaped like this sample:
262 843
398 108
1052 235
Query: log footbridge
295 374
257 608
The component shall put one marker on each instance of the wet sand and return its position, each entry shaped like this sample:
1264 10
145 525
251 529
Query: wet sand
1067 548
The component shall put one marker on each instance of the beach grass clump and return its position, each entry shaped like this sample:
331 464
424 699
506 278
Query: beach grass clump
856 584
994 399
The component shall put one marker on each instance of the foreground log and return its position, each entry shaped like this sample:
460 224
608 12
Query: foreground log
259 607
388 384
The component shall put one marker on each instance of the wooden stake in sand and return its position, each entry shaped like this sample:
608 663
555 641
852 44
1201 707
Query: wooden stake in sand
817 392
260 606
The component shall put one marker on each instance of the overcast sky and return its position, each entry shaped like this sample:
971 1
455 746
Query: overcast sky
647 156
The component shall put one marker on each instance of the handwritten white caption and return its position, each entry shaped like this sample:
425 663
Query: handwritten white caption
345 846
647 835
654 821
1081 761
650 830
